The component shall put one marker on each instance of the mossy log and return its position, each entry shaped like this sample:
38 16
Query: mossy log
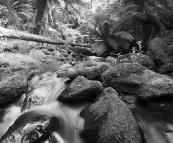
9 33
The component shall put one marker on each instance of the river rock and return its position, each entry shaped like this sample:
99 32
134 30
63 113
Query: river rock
31 127
89 69
111 60
124 77
12 62
37 54
12 86
36 97
81 90
58 56
51 139
140 58
155 86
46 52
109 121
156 51
81 50
64 52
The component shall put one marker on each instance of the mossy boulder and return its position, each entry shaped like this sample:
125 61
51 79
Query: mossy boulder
81 90
140 58
12 62
155 86
12 86
156 51
124 77
89 69
109 121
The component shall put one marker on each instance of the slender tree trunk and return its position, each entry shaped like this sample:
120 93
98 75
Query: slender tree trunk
41 6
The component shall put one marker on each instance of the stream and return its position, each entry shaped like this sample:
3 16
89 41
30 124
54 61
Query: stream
156 126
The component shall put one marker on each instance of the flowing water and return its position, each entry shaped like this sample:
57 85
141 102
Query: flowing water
156 126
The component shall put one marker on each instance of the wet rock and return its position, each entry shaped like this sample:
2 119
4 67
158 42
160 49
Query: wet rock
31 127
81 50
129 99
58 56
109 121
50 49
89 69
37 54
64 52
12 86
167 68
51 139
145 61
36 97
81 90
46 52
155 86
10 62
111 60
140 58
156 52
124 77
94 58
169 137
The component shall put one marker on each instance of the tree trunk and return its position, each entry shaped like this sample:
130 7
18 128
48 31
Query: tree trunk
41 6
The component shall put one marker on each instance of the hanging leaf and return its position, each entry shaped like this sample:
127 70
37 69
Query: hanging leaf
112 43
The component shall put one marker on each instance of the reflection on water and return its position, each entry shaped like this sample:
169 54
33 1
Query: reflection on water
156 125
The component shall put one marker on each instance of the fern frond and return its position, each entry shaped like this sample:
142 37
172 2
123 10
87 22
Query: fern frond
124 35
112 43
26 14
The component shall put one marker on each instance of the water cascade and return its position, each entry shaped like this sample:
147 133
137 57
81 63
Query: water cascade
155 125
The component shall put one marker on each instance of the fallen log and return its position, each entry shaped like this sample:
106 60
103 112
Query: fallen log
9 33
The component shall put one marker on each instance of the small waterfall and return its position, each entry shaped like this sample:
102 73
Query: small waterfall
70 121
10 115
156 126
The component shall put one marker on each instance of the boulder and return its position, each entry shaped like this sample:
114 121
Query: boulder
12 86
81 50
64 52
155 86
31 127
89 69
37 54
111 60
46 52
109 121
12 62
58 56
36 97
81 90
140 58
124 77
156 51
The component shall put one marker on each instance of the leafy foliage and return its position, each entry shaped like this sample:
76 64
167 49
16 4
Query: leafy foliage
4 16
